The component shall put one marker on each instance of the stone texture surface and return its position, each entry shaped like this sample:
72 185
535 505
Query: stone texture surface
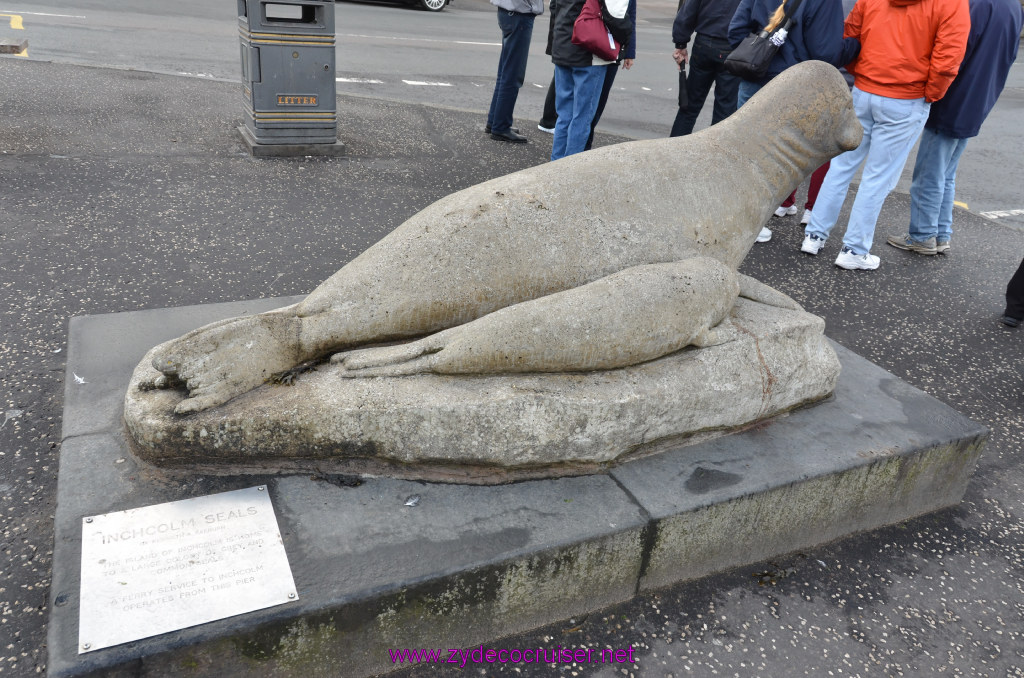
496 427
469 564
465 565
894 454
542 248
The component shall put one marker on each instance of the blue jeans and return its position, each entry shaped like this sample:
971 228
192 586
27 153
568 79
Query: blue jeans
516 31
931 193
746 90
891 126
550 116
707 59
577 91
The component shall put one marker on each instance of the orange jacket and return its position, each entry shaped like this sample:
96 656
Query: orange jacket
908 48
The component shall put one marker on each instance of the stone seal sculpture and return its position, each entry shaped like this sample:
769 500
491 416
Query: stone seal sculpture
570 290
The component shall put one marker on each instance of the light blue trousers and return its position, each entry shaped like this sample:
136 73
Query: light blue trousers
891 126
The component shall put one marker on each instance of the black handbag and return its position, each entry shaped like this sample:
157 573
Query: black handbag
754 55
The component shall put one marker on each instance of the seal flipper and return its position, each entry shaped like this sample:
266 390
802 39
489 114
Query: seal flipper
755 290
713 336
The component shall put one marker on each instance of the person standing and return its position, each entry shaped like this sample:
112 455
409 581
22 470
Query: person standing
515 19
958 116
910 53
710 20
626 58
579 75
816 33
788 206
1014 313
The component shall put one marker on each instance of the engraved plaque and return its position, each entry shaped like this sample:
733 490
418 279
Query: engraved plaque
161 568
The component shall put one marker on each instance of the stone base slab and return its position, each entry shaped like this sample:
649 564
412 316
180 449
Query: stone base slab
489 429
469 564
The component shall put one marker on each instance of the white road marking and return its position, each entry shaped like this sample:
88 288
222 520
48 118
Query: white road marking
426 83
995 214
66 16
420 83
393 37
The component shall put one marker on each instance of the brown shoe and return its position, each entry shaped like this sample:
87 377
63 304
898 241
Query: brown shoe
904 242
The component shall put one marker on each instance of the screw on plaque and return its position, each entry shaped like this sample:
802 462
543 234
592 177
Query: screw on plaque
261 488
88 520
86 646
291 595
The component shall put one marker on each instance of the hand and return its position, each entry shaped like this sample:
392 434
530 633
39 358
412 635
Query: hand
679 56
627 63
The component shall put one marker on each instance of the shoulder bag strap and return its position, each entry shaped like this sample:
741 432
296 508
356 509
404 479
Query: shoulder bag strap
787 18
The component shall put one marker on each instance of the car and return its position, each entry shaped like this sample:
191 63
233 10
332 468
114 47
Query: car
428 5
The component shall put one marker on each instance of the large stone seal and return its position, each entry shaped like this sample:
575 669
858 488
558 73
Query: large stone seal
589 265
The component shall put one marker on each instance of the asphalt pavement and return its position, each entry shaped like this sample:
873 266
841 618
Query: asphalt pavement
124 190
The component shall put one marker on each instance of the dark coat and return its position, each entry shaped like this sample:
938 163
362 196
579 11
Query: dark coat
629 48
563 15
991 50
817 33
709 18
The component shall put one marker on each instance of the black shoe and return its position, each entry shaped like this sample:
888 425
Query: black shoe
1010 321
509 136
487 129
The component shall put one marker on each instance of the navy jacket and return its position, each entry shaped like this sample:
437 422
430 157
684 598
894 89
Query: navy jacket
817 33
991 50
706 17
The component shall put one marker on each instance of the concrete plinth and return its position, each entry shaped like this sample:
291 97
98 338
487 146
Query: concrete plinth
261 150
469 564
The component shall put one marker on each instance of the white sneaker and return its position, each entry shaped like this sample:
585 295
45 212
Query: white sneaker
806 218
812 244
853 262
546 130
786 211
765 235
